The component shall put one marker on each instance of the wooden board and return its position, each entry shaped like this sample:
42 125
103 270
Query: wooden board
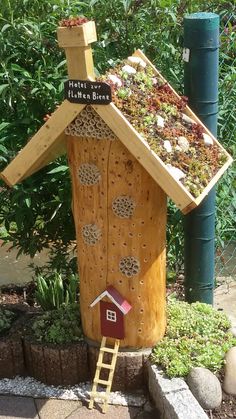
45 145
142 235
77 36
80 63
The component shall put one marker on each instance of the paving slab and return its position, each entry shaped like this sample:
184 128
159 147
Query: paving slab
56 409
17 408
225 299
113 412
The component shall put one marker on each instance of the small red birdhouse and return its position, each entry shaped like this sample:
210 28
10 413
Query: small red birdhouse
112 313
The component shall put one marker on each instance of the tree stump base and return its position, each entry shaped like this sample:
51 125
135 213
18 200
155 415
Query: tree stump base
130 371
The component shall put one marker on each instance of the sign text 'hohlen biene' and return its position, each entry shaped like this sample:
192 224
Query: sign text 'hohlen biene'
87 92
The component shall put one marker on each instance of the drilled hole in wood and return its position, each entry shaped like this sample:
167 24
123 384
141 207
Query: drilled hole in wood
142 222
139 234
133 288
139 330
120 281
141 282
144 245
145 260
113 244
141 310
139 297
130 234
124 244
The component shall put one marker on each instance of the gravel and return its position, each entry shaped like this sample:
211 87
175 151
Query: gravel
29 387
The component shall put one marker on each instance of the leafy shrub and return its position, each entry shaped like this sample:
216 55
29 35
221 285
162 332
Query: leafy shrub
7 317
53 292
32 71
58 326
197 336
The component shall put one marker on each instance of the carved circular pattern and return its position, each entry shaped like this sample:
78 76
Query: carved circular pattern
89 174
123 206
91 234
129 266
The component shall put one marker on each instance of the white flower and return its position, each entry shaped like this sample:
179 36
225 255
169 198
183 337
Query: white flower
137 60
115 79
183 143
187 119
128 69
207 139
175 172
160 121
167 146
154 81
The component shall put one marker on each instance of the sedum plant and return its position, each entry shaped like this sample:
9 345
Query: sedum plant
197 335
53 292
58 326
6 319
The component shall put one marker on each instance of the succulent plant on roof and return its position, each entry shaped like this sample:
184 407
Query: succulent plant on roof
158 115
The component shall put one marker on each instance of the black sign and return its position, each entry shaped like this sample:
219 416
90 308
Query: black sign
83 91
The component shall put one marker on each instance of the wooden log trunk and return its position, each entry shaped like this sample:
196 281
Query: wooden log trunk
141 235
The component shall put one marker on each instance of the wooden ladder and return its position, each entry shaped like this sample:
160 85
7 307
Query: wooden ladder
101 365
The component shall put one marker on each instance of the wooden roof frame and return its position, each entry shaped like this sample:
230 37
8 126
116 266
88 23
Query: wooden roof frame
50 142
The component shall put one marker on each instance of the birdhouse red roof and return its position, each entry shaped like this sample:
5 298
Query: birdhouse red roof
115 297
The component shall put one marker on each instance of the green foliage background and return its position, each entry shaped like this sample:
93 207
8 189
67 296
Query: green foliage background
37 212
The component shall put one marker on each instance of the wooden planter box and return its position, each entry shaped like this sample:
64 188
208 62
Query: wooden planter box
11 351
57 365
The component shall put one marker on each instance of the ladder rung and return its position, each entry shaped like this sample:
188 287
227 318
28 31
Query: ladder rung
104 382
107 366
105 349
99 396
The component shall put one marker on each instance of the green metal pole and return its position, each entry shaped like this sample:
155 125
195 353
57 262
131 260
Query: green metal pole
201 37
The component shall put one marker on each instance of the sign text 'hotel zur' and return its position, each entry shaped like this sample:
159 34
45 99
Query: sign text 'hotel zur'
88 92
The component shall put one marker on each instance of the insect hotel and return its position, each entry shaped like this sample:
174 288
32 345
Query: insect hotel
131 142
